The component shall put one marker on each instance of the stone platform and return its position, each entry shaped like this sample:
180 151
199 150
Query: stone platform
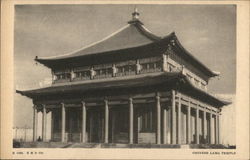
117 145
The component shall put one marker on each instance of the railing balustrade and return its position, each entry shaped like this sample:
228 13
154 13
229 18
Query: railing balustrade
126 68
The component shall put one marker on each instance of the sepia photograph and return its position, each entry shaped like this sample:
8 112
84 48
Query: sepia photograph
125 76
124 80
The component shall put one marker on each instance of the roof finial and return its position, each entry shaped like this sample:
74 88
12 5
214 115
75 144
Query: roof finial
135 14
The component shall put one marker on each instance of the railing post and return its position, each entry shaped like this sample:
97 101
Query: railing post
114 70
165 62
138 67
92 73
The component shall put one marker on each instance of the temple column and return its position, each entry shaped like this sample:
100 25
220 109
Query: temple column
179 120
204 126
197 126
131 121
63 123
188 123
211 129
138 126
34 123
158 112
173 117
84 115
164 125
106 133
216 129
44 124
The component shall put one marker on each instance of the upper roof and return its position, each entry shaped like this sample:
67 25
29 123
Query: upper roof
130 36
133 35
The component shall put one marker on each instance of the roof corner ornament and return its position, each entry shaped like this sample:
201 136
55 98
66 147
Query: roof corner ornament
135 14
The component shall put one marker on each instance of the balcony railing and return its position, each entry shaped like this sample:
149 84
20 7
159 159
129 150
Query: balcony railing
127 68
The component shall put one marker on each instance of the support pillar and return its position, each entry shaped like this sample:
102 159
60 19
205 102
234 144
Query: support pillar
164 125
44 124
113 126
63 123
131 121
204 126
84 115
139 126
188 123
211 129
34 123
218 128
158 112
106 122
173 117
197 126
179 120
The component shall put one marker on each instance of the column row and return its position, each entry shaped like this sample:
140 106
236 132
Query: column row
210 129
200 123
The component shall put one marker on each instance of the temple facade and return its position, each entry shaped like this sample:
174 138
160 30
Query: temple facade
131 87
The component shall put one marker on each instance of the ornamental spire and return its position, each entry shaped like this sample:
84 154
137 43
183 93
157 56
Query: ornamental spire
135 14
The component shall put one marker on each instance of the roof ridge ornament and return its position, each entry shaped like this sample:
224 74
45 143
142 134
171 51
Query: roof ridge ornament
135 17
135 14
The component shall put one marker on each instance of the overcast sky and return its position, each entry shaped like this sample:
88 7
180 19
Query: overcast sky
206 31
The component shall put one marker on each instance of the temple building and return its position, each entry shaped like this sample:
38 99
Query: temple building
132 87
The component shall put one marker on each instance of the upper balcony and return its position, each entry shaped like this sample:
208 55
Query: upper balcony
127 68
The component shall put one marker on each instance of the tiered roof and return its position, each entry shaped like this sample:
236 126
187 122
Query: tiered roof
133 36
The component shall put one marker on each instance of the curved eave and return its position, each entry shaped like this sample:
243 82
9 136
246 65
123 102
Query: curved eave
49 62
147 33
204 67
138 35
218 102
147 80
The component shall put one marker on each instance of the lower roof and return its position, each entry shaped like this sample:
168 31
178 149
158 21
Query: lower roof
174 80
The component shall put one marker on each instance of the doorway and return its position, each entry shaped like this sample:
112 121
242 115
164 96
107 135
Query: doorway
96 127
